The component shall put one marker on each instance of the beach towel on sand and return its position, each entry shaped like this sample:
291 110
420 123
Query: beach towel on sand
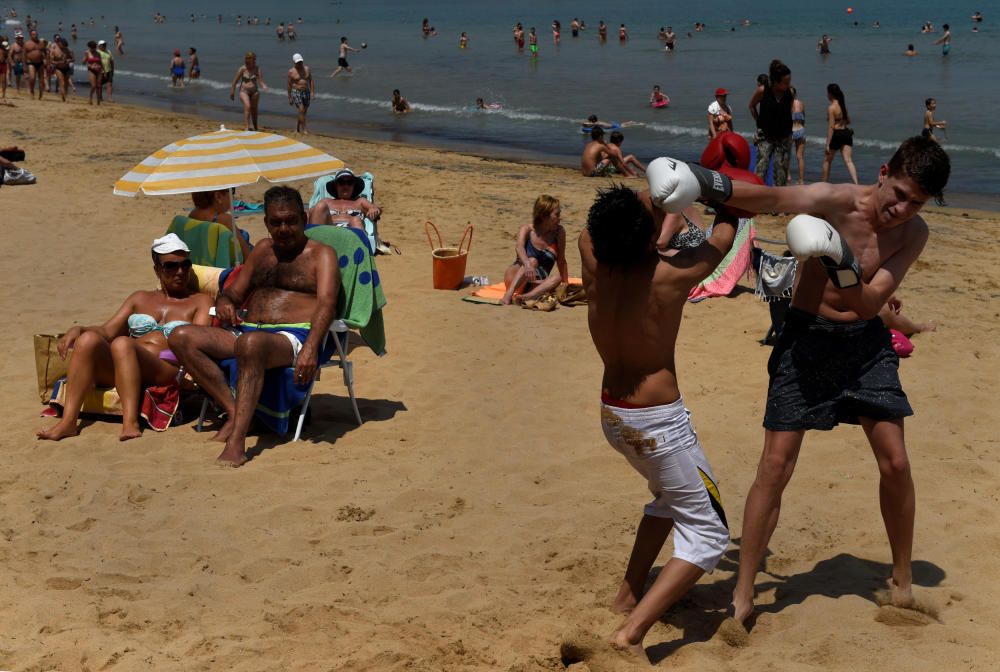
359 305
733 266
493 293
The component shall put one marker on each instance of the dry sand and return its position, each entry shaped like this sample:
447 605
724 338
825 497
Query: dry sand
478 517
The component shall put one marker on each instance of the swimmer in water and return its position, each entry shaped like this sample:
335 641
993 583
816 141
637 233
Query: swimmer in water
945 41
481 105
657 99
910 51
532 41
463 40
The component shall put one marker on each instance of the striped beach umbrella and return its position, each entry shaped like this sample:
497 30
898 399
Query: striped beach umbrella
225 159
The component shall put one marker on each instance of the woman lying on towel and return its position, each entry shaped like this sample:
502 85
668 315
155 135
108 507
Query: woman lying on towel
540 247
130 351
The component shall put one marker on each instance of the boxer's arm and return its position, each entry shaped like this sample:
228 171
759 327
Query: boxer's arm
868 297
816 199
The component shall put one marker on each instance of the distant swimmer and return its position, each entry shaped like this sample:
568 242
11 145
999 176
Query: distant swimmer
930 123
290 31
399 104
657 98
910 51
482 105
519 35
977 17
670 38
622 33
662 36
602 31
280 31
119 41
594 122
945 41
342 63
177 69
556 31
425 28
463 40
532 41
824 44
574 27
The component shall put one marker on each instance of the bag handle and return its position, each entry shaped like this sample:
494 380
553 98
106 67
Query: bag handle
428 225
468 232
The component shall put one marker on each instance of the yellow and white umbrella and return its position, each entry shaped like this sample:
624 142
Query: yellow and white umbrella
225 159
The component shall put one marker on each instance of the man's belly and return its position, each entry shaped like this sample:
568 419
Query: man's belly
269 305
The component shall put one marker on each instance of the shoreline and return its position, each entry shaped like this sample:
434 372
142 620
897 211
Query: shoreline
972 202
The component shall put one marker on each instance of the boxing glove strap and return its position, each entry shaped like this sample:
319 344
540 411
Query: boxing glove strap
714 185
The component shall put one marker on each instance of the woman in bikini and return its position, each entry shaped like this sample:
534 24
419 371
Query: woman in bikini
59 58
130 350
839 136
250 79
345 206
95 70
540 264
799 134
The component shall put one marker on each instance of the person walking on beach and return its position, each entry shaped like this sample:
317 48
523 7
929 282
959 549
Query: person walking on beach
637 286
17 60
37 60
119 42
194 71
774 123
944 40
839 135
108 63
930 123
4 68
59 59
177 69
342 63
95 71
250 79
300 89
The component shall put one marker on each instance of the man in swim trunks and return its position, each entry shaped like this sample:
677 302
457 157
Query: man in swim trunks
596 161
36 57
945 40
930 123
289 286
194 72
637 286
300 89
17 60
342 63
670 38
833 361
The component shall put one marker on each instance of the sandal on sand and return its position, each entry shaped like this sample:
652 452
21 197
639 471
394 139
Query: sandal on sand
385 247
545 303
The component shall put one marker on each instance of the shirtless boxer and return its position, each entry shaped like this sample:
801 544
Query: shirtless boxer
292 285
834 361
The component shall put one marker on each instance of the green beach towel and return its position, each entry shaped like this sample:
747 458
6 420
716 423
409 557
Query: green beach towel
211 243
361 297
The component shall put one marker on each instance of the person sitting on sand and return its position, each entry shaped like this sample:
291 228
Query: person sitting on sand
215 206
346 206
540 248
614 149
289 285
399 104
637 286
596 161
130 350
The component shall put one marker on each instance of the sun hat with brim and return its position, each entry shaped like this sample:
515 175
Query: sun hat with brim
359 184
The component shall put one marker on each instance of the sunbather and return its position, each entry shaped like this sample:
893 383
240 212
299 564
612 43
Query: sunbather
215 206
130 351
346 206
290 285
540 247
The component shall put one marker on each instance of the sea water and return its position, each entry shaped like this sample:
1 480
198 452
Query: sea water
544 98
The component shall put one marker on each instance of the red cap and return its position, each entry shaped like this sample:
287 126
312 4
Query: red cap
721 92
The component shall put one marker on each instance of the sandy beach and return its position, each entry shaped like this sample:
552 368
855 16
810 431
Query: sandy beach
478 518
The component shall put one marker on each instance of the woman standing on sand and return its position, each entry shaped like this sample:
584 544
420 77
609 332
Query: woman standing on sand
839 135
250 79
95 70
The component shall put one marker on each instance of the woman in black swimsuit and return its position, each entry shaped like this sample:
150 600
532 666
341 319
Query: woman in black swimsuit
839 136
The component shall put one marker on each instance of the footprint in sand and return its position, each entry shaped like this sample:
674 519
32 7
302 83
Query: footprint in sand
354 514
62 583
923 610
586 652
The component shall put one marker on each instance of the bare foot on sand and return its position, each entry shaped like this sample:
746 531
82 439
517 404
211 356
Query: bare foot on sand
625 600
232 456
58 431
601 656
130 432
925 326
740 610
223 434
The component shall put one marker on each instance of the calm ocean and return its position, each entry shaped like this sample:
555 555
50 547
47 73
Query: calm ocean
543 98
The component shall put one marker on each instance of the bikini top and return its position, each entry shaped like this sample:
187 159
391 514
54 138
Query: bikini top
353 213
247 77
140 324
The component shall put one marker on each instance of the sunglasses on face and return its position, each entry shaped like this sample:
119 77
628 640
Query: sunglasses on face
174 266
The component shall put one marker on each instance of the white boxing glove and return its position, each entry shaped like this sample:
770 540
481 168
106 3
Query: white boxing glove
674 185
809 236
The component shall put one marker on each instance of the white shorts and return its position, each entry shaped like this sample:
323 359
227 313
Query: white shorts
661 444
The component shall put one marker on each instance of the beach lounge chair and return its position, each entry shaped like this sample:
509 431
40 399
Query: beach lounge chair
359 306
211 243
371 228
